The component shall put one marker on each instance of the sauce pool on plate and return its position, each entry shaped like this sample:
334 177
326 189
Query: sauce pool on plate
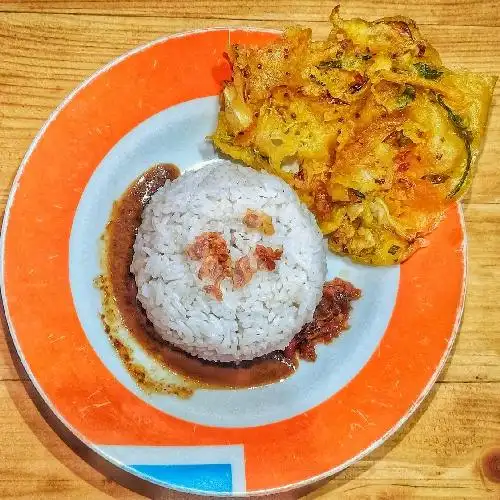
117 256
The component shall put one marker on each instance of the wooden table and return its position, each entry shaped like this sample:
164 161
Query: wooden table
48 47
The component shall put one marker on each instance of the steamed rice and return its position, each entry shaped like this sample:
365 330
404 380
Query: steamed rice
252 321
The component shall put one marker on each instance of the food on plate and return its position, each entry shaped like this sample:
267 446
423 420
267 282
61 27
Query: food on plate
260 221
330 319
123 312
368 126
215 287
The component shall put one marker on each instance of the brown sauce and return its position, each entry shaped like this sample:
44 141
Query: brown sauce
118 252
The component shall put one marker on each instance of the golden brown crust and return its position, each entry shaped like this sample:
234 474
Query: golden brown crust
373 132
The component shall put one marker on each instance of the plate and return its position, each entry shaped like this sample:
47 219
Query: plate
157 104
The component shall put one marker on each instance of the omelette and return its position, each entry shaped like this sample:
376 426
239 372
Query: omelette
373 133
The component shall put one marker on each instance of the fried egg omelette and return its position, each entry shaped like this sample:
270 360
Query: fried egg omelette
375 135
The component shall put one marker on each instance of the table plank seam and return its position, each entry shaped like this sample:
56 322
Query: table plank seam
211 18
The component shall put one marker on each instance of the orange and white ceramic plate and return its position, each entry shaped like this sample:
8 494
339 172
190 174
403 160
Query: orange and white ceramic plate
157 104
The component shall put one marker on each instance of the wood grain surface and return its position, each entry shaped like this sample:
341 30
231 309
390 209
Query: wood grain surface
48 47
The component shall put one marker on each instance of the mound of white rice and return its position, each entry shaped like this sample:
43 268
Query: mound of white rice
252 321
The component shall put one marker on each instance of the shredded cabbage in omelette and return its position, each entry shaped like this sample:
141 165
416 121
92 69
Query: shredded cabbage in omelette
375 135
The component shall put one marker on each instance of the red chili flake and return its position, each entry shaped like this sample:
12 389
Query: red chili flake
243 272
214 291
211 269
323 203
267 257
401 161
211 249
359 82
334 100
262 222
209 243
